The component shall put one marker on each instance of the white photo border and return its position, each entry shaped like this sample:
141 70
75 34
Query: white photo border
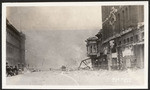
27 4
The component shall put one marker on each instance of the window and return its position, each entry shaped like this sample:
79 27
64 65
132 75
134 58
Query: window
91 50
124 41
94 48
119 43
127 15
129 11
131 38
142 35
128 40
123 20
136 38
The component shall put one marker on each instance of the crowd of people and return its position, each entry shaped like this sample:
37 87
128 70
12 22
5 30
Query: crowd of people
12 70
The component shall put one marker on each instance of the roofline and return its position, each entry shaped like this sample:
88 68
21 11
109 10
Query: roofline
9 25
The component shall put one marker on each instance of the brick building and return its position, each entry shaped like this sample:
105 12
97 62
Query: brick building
120 42
15 46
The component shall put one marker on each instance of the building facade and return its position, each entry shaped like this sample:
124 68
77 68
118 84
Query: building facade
92 50
120 43
15 46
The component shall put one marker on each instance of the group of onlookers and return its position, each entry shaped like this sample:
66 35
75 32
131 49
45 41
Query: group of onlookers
12 70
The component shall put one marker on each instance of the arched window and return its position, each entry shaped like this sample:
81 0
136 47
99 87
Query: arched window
91 49
94 48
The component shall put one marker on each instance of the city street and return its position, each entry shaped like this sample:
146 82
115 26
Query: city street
82 77
89 45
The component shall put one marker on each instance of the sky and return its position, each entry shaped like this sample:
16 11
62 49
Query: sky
55 35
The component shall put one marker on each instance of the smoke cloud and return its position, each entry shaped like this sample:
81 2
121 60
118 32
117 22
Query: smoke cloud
55 36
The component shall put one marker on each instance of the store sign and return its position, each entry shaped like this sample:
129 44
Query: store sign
114 55
127 52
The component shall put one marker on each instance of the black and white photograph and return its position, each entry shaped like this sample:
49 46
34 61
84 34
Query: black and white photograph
75 45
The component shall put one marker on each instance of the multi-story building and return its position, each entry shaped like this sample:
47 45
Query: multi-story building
92 50
15 46
120 42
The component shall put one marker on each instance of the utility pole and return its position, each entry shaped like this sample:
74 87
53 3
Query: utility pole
111 45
